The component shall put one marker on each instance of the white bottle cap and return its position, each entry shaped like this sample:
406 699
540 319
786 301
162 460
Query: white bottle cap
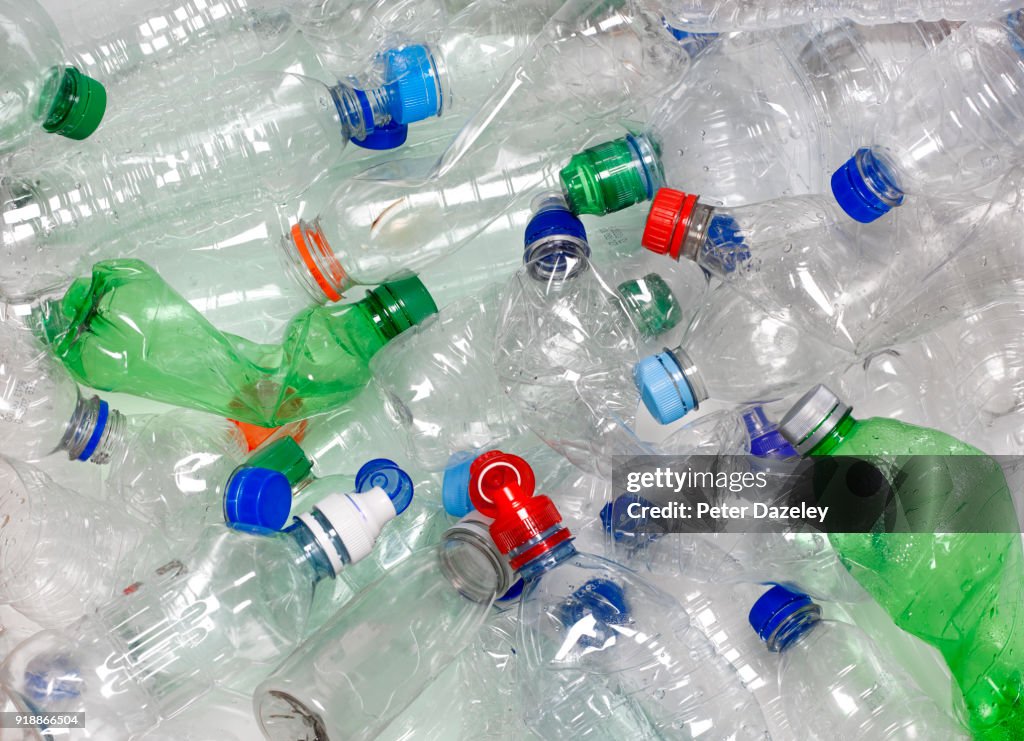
357 518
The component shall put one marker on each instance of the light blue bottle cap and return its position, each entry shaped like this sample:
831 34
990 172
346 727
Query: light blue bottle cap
455 485
663 387
258 497
774 608
386 474
865 188
411 76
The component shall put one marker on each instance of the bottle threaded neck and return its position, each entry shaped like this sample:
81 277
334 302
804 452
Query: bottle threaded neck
94 432
307 257
795 626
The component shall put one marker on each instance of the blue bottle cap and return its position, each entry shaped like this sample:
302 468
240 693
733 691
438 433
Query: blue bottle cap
775 607
514 592
455 485
386 474
694 43
865 188
622 526
389 136
258 497
663 387
765 439
602 600
411 77
554 221
51 679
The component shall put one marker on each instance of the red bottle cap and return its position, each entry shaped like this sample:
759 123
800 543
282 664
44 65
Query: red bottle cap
668 221
501 486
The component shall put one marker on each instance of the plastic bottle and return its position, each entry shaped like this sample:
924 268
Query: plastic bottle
256 135
65 552
100 327
569 374
951 582
950 125
836 683
495 165
39 89
771 114
738 15
800 259
223 615
733 352
586 621
376 655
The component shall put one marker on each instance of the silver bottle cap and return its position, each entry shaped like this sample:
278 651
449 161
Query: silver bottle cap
812 418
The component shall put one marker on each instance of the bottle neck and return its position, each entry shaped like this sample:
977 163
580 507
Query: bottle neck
835 436
308 259
690 375
542 563
696 226
361 111
794 628
95 432
312 554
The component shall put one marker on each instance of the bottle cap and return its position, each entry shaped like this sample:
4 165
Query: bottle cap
78 106
471 561
555 240
865 187
668 221
624 527
812 418
765 439
385 474
411 76
390 136
283 455
356 519
694 43
258 497
254 434
401 304
455 485
651 303
601 603
663 386
775 608
501 486
611 176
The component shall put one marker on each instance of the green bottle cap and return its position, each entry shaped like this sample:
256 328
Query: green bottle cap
283 455
611 176
78 106
401 304
651 304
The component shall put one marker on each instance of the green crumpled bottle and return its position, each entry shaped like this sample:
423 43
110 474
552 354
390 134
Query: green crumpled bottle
125 329
951 573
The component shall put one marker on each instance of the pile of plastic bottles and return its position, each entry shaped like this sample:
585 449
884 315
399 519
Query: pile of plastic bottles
325 324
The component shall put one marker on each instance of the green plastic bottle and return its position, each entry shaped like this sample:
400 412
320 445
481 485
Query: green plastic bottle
127 330
951 578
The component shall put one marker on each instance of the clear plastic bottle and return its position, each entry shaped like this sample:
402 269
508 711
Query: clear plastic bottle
375 656
587 623
836 683
564 351
768 115
743 15
950 125
65 552
732 352
603 55
800 259
223 615
39 89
